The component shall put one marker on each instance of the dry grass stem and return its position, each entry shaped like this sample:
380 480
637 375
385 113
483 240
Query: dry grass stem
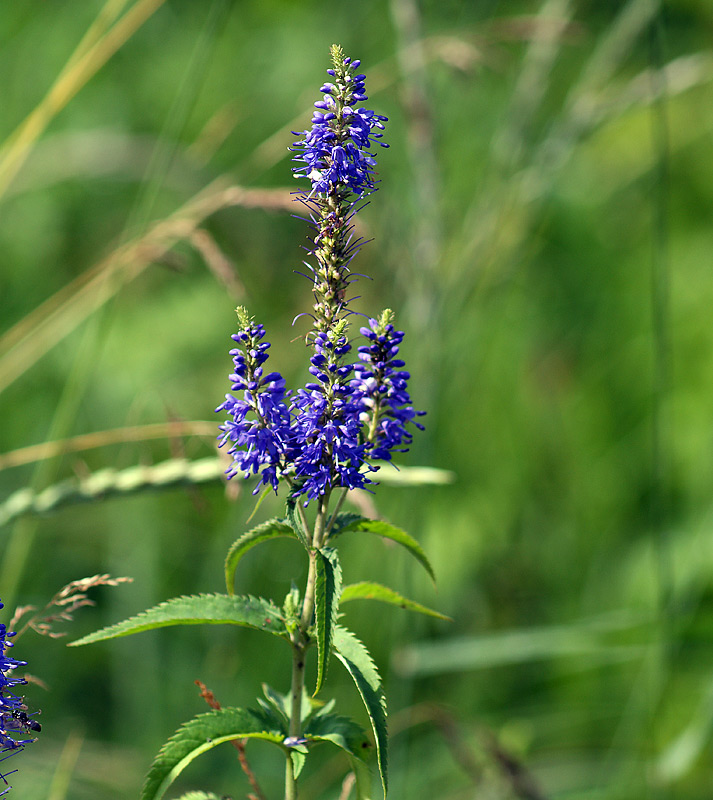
90 441
32 337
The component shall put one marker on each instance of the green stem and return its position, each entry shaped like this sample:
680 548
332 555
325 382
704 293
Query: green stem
308 604
290 782
301 642
337 509
317 542
298 680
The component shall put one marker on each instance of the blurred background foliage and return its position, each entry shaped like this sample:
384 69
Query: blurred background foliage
543 233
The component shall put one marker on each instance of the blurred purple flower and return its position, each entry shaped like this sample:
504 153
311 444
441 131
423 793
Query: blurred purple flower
13 713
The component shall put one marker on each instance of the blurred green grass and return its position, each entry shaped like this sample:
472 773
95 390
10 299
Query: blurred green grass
518 237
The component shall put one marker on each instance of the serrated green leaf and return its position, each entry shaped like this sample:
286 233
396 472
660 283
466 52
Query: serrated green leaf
277 720
199 735
272 529
366 590
199 796
387 531
279 702
340 731
293 518
298 758
282 703
344 520
355 657
328 588
210 609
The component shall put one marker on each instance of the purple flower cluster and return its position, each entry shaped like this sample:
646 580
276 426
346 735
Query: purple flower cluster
260 422
335 152
327 443
381 385
13 716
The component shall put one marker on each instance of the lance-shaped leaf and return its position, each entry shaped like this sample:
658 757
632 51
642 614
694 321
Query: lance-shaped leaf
387 531
199 735
340 731
282 704
298 756
343 521
210 609
295 521
366 590
355 657
272 529
328 588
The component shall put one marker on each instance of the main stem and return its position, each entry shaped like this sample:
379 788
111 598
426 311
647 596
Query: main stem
301 641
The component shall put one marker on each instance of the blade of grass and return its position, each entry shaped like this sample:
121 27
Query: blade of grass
94 50
66 764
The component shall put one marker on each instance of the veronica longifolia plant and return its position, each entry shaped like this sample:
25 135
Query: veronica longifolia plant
321 440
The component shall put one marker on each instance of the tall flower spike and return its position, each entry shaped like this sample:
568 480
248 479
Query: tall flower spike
13 713
382 386
337 158
259 422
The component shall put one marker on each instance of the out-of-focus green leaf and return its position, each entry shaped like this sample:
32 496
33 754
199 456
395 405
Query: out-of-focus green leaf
367 590
679 756
392 475
362 777
587 639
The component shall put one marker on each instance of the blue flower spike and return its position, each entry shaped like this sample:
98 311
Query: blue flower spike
259 424
335 154
382 386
